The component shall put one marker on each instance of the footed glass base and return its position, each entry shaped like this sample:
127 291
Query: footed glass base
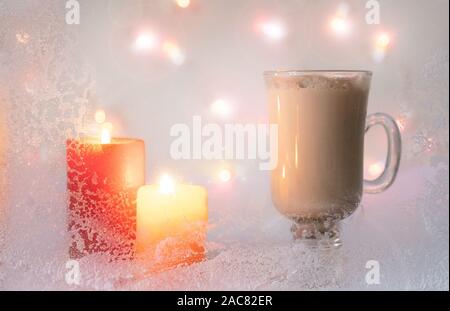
317 233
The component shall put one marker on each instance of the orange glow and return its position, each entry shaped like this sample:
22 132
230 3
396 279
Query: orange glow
23 37
383 41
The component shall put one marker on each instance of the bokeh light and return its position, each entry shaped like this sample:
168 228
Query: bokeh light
383 41
173 52
221 108
145 41
273 29
401 123
100 116
224 175
22 37
340 25
183 3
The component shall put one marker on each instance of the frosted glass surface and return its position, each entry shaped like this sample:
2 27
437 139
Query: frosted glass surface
53 77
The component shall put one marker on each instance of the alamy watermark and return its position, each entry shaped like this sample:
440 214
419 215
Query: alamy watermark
73 274
373 275
72 12
234 141
373 13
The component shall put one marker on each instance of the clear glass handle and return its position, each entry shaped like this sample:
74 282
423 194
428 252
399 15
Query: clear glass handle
393 153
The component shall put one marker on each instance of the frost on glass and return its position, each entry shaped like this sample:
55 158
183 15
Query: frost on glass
44 95
47 93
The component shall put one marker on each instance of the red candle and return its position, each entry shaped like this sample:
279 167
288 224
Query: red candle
102 182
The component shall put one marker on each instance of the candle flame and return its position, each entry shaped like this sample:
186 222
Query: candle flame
166 184
105 136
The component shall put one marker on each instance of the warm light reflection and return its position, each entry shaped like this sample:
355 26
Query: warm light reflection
340 23
22 37
108 126
278 106
401 123
429 144
375 169
166 184
383 41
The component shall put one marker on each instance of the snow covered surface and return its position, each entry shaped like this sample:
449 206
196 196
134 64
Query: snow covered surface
53 76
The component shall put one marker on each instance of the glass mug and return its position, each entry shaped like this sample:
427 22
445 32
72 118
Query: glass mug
321 118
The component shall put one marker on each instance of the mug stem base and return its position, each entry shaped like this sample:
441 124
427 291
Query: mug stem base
320 232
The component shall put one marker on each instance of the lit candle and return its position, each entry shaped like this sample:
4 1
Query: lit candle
103 175
171 222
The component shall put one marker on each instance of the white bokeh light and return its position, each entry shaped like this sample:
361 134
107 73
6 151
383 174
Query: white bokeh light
225 175
145 41
221 108
274 30
100 116
174 53
340 25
